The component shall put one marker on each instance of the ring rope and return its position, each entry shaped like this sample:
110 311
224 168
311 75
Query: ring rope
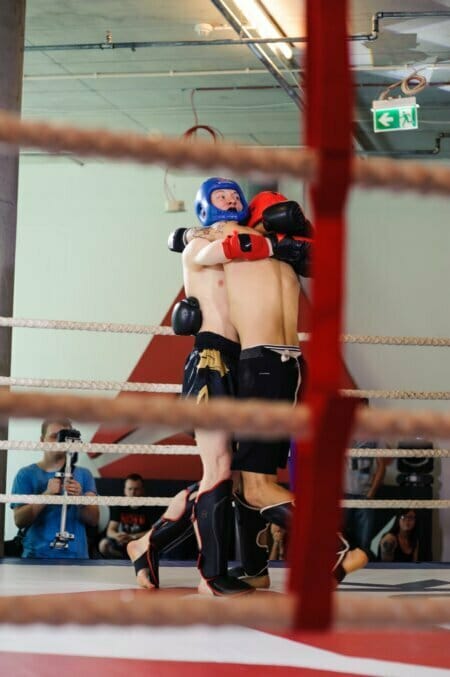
53 499
256 611
86 326
135 387
398 453
191 450
177 153
433 341
398 394
258 418
395 504
86 447
71 384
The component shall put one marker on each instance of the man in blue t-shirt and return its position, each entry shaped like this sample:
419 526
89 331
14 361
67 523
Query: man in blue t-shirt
42 522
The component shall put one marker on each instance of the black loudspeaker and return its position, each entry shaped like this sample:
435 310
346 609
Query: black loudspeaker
416 470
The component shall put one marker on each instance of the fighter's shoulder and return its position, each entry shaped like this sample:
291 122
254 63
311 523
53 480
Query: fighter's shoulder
192 248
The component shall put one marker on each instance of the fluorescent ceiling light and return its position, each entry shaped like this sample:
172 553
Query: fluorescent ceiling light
259 20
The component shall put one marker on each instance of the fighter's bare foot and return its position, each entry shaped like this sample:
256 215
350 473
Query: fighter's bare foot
224 586
138 553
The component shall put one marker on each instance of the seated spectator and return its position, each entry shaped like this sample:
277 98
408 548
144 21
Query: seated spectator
128 523
401 542
41 523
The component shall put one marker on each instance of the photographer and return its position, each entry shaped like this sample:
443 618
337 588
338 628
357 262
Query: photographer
43 522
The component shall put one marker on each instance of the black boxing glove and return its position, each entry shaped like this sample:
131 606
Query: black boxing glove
177 240
296 252
288 218
187 317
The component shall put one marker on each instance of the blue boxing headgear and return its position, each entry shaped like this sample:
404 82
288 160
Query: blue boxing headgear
206 213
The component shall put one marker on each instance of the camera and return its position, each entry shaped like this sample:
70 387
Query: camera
68 435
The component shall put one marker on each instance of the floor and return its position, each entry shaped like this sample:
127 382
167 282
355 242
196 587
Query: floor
37 650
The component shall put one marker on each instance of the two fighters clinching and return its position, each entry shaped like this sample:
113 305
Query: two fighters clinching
285 234
288 235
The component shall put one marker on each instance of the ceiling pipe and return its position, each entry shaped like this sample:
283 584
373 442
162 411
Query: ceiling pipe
413 153
133 46
378 16
234 71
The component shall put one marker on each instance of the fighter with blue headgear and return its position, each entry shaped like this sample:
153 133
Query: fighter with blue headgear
220 199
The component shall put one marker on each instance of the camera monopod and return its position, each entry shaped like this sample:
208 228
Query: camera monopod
62 537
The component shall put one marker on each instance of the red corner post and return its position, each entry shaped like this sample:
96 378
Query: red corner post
320 460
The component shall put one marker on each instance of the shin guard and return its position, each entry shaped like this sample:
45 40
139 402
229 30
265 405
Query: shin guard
280 514
252 530
166 534
213 517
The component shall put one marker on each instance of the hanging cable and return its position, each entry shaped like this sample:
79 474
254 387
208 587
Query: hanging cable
407 86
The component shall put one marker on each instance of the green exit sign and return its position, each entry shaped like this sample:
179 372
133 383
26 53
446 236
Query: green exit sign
395 115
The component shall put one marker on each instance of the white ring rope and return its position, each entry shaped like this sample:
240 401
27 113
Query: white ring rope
70 384
398 453
134 387
432 341
86 326
191 450
49 499
96 448
398 394
395 504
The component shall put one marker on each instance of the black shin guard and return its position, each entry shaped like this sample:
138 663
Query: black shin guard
280 514
166 534
213 516
252 530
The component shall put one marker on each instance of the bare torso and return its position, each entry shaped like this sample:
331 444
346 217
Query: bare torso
263 295
263 298
207 284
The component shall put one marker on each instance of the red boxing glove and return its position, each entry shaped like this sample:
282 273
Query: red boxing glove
259 203
245 246
297 238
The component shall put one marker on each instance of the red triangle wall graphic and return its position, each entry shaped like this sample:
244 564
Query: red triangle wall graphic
162 362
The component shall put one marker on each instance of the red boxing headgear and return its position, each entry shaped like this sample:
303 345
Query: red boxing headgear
259 203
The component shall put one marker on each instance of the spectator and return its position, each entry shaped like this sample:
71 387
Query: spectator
128 523
362 480
401 542
43 522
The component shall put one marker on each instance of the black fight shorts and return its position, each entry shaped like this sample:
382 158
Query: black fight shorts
211 368
265 374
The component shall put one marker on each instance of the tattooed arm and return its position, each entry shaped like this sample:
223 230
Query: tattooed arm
216 232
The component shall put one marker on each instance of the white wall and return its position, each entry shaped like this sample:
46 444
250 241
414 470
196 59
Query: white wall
92 246
398 282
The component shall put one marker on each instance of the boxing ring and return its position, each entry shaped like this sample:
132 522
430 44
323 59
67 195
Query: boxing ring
267 631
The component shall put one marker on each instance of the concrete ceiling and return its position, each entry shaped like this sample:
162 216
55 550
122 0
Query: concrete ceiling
163 89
